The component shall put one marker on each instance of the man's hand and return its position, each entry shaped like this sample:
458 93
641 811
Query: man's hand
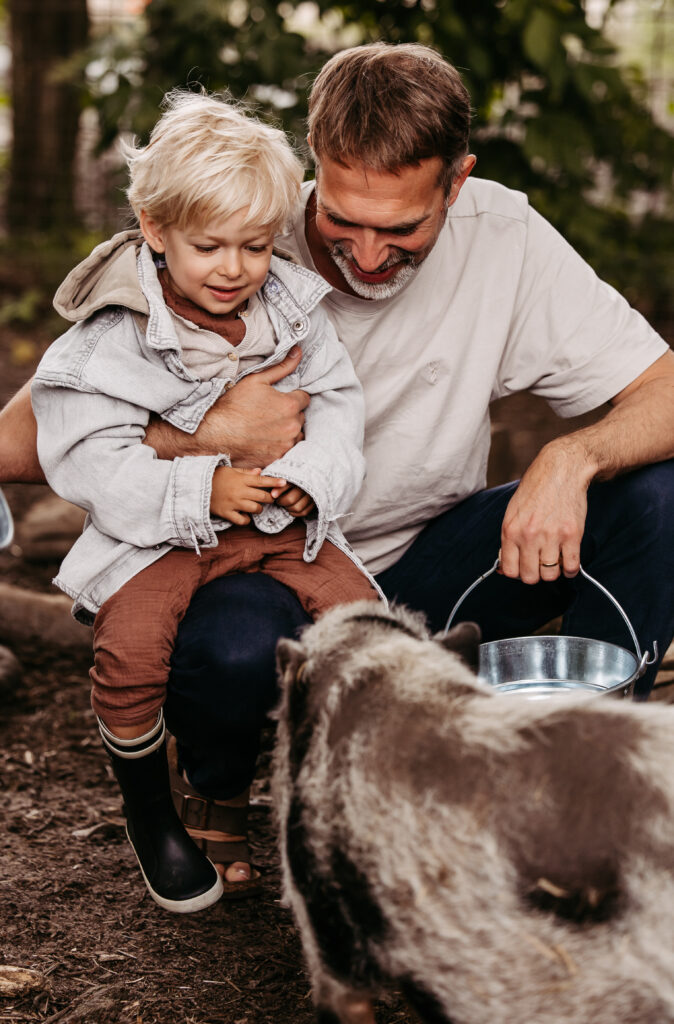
237 494
253 422
296 501
545 519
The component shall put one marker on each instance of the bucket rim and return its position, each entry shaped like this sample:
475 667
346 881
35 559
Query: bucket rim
561 638
637 667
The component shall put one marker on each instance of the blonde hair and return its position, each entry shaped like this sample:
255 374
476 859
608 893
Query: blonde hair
206 160
388 106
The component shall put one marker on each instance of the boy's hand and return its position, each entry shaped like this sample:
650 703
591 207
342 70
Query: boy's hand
237 494
296 501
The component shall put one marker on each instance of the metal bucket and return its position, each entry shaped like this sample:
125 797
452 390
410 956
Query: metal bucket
545 666
6 523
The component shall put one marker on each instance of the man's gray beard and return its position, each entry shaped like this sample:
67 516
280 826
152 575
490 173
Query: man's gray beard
366 290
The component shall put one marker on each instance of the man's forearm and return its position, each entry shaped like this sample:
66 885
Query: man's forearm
18 441
637 431
217 434
253 423
170 442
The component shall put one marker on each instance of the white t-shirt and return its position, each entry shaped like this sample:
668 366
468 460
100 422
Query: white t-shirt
501 304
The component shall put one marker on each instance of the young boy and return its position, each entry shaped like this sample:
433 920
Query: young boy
197 304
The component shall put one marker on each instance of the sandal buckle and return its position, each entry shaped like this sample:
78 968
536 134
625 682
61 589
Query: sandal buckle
196 817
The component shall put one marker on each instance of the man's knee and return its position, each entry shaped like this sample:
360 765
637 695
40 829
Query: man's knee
652 490
226 644
642 499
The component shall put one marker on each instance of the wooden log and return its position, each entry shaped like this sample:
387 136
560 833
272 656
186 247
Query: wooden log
28 614
11 672
49 529
17 982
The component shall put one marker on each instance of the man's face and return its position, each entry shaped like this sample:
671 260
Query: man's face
379 227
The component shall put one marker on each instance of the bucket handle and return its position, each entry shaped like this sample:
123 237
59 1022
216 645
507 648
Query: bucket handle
642 659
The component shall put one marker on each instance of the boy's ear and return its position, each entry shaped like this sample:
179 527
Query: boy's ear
152 233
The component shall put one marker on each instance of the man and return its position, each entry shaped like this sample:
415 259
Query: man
449 292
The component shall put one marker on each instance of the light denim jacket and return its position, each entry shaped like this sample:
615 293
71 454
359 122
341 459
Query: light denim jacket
97 385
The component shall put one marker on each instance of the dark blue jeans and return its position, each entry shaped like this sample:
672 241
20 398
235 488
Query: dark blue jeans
223 682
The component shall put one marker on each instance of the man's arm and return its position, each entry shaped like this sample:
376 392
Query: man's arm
253 423
328 465
18 441
546 515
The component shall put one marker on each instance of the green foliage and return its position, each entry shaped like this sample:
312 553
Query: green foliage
555 115
218 44
31 269
22 308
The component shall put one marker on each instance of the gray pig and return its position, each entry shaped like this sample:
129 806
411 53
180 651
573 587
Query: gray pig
498 860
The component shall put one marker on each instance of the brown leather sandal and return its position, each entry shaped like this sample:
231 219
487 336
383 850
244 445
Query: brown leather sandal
201 815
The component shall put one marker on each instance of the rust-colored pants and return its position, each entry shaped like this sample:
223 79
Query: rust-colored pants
135 630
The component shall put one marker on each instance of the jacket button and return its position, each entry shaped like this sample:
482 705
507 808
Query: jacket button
232 355
298 325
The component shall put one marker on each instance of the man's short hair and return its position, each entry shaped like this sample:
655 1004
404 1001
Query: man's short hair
206 159
389 106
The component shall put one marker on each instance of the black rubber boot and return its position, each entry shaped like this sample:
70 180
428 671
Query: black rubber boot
178 875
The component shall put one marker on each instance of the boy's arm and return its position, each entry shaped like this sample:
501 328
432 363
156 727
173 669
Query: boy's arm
254 423
90 447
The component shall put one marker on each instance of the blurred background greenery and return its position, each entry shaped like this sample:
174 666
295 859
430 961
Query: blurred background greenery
573 101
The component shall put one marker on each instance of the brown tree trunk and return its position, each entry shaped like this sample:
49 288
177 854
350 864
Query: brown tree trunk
45 112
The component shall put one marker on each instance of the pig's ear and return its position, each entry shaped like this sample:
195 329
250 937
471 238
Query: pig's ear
289 656
464 640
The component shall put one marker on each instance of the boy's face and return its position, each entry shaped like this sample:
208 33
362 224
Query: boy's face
217 265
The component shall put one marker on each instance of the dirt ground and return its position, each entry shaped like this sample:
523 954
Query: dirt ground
72 904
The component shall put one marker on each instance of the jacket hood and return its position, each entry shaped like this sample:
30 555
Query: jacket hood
107 277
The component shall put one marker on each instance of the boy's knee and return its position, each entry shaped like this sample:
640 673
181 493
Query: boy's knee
125 709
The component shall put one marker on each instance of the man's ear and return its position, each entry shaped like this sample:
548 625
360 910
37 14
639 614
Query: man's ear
152 232
466 167
463 640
